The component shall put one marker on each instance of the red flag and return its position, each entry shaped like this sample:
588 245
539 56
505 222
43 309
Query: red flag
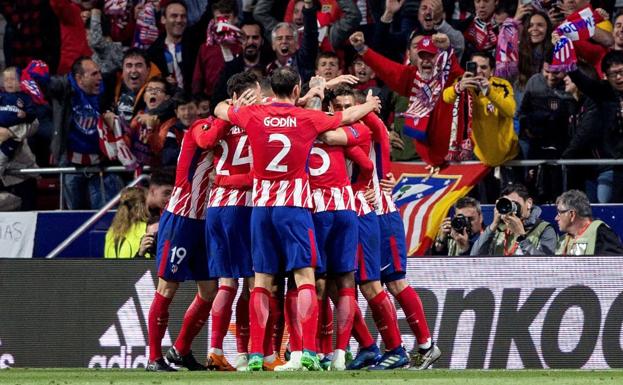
424 202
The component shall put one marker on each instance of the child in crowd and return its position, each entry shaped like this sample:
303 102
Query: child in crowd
143 138
172 131
16 108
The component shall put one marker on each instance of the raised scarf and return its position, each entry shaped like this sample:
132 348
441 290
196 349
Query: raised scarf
221 31
146 31
580 25
507 51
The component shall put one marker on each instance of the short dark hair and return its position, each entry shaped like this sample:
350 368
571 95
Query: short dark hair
485 55
283 80
327 55
77 68
201 97
136 52
162 177
610 59
241 82
341 90
253 22
171 2
468 202
224 6
161 80
182 98
517 188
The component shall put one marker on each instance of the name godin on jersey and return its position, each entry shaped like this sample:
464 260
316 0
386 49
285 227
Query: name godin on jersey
280 122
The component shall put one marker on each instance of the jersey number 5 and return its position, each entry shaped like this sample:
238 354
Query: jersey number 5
274 164
326 162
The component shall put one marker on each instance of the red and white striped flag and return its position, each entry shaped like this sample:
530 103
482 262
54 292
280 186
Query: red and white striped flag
424 202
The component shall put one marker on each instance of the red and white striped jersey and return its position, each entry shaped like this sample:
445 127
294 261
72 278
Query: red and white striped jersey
232 157
281 137
192 176
373 138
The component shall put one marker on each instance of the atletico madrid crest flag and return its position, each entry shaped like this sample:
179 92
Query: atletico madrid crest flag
424 202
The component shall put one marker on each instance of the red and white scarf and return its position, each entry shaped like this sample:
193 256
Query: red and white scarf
146 31
221 31
482 34
112 144
424 96
461 147
507 51
580 25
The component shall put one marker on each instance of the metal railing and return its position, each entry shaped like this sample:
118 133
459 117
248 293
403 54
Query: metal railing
119 169
93 219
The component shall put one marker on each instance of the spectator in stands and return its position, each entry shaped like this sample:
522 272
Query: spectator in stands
173 51
73 32
544 124
518 229
285 44
453 241
493 132
203 105
618 31
130 85
143 137
223 44
328 65
19 192
252 57
106 53
415 81
172 131
605 136
159 191
336 20
430 20
76 106
584 235
534 43
125 236
34 80
481 33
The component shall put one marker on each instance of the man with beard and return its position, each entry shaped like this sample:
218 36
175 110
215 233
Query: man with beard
251 57
434 67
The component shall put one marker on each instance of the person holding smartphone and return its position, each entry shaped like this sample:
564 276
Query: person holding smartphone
495 140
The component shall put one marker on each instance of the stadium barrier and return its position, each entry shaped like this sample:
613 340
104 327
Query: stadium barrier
495 312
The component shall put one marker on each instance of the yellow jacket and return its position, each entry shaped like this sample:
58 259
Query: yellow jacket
128 245
493 132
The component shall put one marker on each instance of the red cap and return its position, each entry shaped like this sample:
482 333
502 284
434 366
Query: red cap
426 45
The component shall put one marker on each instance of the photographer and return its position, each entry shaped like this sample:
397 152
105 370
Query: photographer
584 235
457 235
516 228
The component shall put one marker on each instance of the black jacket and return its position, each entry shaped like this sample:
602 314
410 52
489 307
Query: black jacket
189 56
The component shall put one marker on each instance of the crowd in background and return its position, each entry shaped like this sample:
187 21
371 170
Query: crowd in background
117 82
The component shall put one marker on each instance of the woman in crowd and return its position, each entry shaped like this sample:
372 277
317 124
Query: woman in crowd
125 236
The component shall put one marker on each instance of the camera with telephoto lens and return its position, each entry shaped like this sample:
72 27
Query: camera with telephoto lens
507 206
461 222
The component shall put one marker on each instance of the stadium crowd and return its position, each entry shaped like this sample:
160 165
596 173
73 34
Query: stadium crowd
184 85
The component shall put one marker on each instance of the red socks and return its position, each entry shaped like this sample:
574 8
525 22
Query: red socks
196 315
346 305
325 326
242 324
273 304
360 330
157 325
221 315
276 309
414 311
258 317
294 327
384 314
307 313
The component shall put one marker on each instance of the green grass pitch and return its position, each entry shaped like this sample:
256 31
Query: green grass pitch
429 377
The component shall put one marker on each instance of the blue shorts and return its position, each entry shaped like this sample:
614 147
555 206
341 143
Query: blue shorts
369 249
228 230
393 248
181 249
282 239
336 233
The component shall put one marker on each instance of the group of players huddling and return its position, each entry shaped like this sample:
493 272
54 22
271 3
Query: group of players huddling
285 203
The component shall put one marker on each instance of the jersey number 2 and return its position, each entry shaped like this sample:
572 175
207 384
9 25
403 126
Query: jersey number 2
274 164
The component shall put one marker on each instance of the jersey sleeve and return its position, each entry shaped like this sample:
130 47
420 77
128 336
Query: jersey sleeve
239 116
208 132
323 122
366 167
356 134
